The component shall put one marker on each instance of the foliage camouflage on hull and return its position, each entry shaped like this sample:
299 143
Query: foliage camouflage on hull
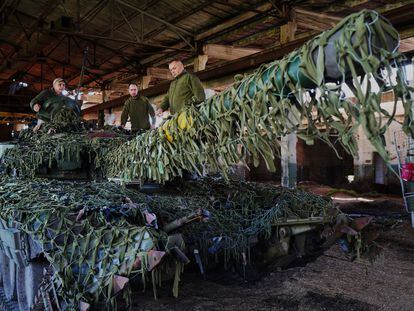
239 213
86 233
291 95
90 237
242 214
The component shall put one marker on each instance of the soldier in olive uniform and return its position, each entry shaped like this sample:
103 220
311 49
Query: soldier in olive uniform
47 102
185 89
138 109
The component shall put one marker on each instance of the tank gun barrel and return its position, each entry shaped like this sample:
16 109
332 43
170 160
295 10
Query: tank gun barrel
312 92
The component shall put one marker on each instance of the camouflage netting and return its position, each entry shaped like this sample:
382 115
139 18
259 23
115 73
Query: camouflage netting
238 213
90 236
302 94
87 234
65 139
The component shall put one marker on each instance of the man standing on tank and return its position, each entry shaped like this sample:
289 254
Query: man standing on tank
186 89
41 103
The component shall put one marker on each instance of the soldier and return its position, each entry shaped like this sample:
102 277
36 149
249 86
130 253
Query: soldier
139 109
185 89
48 101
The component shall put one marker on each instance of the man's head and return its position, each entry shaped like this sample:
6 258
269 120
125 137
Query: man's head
59 85
133 89
176 68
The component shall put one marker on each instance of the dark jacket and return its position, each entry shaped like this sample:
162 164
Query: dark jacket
186 89
50 103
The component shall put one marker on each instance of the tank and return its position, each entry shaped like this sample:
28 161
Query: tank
87 244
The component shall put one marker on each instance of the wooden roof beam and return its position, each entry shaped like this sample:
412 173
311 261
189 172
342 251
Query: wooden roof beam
233 22
115 39
227 52
160 20
178 18
159 73
4 114
407 45
314 20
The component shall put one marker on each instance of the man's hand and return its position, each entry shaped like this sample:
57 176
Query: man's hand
37 127
37 107
159 112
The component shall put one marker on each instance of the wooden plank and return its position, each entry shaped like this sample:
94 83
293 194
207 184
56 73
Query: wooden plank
4 114
314 20
145 81
159 73
227 52
407 45
322 16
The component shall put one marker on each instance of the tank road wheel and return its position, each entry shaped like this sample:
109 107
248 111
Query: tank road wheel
28 281
8 271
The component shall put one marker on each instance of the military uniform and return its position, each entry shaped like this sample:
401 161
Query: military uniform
184 90
51 102
138 108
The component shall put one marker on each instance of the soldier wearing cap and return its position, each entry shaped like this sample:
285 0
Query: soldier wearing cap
49 101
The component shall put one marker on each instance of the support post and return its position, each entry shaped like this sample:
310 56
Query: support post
145 81
200 62
412 219
101 112
287 32
288 159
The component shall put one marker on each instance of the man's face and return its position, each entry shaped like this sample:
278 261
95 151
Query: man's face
59 87
176 68
133 90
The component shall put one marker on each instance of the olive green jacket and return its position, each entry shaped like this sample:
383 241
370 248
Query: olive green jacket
138 109
184 90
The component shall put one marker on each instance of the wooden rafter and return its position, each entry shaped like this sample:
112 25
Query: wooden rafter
314 20
232 22
227 52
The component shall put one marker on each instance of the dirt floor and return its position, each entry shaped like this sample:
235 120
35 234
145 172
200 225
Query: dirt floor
331 282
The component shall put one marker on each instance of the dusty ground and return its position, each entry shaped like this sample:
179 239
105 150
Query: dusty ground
329 283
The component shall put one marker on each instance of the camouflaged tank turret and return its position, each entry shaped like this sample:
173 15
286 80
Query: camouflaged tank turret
74 245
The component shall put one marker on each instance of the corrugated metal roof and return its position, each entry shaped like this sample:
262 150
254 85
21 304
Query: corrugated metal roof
42 39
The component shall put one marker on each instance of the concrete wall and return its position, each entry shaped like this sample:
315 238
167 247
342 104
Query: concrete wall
367 165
